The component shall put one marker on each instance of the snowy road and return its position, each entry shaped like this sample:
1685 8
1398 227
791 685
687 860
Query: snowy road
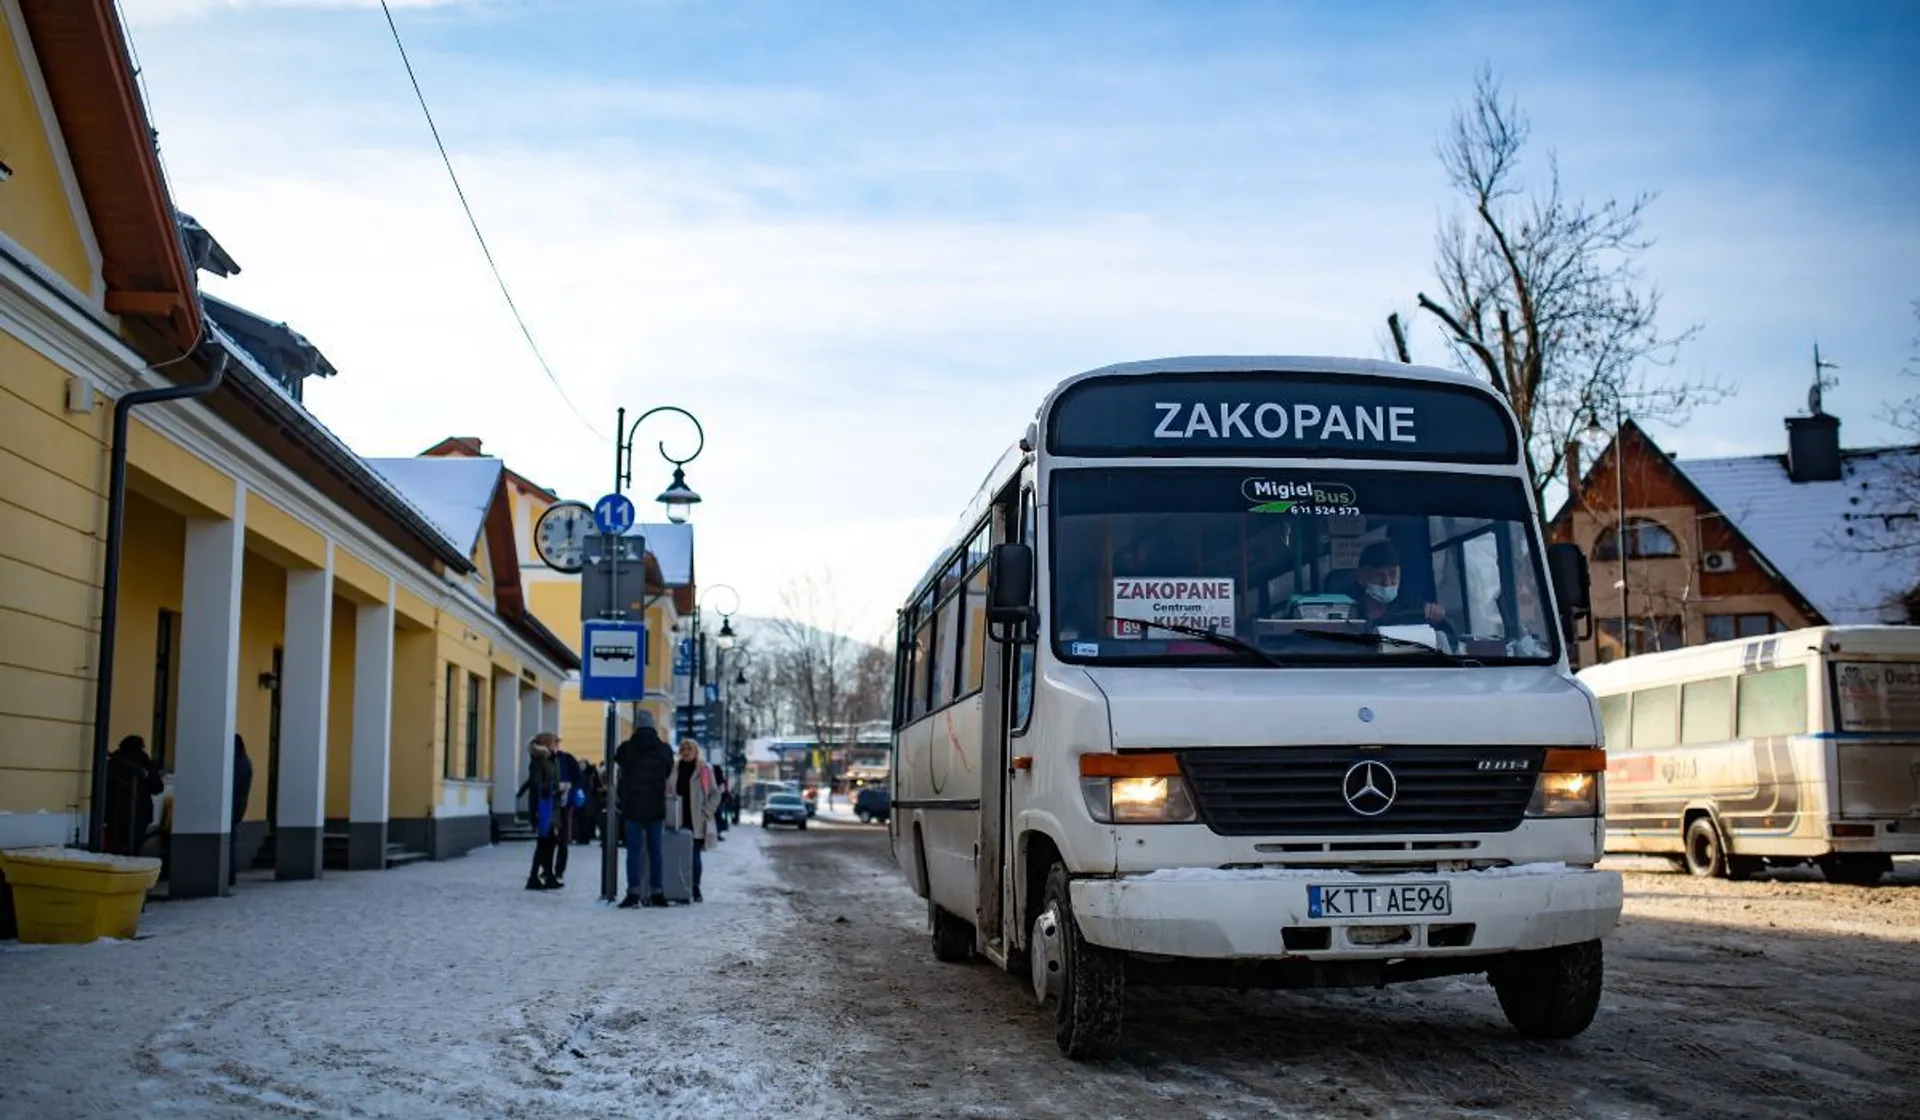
804 987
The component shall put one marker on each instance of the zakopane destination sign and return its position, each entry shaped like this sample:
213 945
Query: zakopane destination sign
1300 415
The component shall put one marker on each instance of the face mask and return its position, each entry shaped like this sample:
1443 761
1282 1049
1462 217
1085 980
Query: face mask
1383 592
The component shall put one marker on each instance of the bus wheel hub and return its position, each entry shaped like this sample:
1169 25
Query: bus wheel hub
1047 953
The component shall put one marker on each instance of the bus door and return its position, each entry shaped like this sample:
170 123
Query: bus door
1012 520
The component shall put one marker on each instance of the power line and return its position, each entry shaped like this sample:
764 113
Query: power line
475 223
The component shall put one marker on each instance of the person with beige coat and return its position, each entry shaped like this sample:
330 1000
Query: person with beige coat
699 798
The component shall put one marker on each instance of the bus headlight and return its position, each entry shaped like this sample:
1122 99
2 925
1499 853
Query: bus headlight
1135 789
1570 784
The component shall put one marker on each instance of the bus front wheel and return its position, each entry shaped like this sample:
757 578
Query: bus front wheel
1550 993
1706 853
1086 984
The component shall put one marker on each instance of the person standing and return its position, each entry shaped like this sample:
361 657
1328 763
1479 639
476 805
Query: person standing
645 771
242 793
542 789
570 790
693 781
133 781
719 804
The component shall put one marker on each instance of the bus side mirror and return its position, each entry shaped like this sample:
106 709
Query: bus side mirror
1010 588
1572 588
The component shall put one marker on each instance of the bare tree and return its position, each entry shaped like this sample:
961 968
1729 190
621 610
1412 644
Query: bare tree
1891 526
1542 295
814 663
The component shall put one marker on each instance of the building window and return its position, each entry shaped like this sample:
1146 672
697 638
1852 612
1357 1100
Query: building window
452 702
473 727
1727 627
1646 540
1649 635
163 686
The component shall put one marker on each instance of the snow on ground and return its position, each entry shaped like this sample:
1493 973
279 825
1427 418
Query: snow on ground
431 990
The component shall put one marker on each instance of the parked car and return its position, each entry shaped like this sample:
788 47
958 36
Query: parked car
874 803
784 808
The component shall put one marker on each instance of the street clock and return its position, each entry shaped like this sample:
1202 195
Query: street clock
560 537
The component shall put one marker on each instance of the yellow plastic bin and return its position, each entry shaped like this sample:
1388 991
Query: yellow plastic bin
63 896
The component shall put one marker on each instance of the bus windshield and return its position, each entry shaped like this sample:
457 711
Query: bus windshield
1245 566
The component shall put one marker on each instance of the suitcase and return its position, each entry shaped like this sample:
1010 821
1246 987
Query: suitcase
676 865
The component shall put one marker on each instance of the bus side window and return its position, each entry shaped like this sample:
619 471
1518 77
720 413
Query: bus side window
1773 702
1706 711
1614 712
1656 717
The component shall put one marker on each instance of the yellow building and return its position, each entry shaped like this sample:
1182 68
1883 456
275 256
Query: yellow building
554 597
272 585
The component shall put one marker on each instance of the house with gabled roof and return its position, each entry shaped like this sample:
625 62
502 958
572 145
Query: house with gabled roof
1687 551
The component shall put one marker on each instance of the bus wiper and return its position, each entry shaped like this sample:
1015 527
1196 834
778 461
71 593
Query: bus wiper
1213 637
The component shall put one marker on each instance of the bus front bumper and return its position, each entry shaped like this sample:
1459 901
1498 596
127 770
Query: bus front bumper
1224 915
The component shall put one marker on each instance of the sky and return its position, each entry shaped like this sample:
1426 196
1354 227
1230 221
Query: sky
860 242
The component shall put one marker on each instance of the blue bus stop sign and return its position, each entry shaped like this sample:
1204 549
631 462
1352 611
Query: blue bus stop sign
613 661
613 514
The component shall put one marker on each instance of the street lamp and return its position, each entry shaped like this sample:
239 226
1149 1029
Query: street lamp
697 648
678 497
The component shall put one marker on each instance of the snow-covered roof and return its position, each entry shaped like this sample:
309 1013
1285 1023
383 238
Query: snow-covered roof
453 493
672 548
1804 529
256 374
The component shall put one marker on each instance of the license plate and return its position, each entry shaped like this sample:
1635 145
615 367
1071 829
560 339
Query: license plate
1395 900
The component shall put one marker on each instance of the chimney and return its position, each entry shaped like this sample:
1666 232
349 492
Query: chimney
1813 448
471 441
1574 470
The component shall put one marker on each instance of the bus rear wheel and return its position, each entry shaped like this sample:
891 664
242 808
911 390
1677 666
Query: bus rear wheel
1550 993
1855 870
1086 984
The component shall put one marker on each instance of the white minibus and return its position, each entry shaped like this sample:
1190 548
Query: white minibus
1794 748
1249 672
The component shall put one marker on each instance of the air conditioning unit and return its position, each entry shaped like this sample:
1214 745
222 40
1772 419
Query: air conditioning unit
1716 562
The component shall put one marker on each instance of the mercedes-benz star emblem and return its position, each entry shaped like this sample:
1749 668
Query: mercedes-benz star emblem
1369 788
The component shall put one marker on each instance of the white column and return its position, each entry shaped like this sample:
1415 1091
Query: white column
549 715
308 642
506 740
372 735
532 713
208 690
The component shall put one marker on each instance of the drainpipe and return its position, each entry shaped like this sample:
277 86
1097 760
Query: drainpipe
110 588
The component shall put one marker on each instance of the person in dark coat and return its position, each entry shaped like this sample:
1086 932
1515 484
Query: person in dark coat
242 791
586 823
133 781
542 789
646 766
563 817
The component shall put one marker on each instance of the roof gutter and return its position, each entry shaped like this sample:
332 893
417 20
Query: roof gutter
110 587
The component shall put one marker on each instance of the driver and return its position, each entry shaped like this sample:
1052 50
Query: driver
1378 577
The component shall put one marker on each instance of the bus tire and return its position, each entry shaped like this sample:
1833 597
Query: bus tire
1855 870
1086 983
1706 852
952 935
1550 993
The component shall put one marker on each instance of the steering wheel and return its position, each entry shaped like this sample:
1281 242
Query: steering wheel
1415 618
